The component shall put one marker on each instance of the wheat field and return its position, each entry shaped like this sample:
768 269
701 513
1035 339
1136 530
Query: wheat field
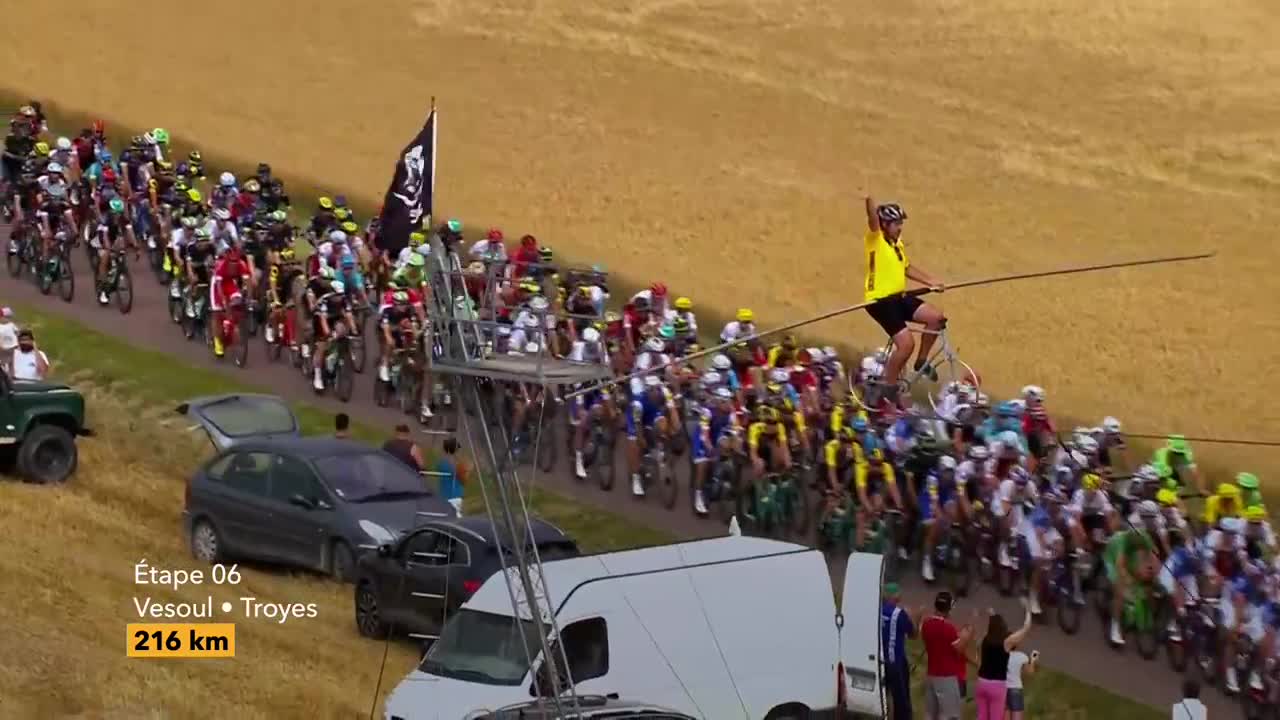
724 147
69 592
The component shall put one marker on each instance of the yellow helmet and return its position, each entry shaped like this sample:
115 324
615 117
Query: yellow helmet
342 213
1229 490
416 238
288 255
531 286
745 315
1255 513
350 228
684 303
42 148
194 195
326 203
164 164
1091 481
1167 497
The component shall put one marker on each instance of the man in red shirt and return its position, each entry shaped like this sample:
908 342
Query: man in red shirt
944 647
230 275
525 256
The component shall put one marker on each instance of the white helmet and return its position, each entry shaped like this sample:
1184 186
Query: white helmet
53 168
227 180
339 287
654 344
63 143
591 335
148 138
1148 509
723 393
710 378
1111 425
829 352
978 453
1088 445
778 375
1033 393
532 347
816 355
946 462
337 236
1079 459
721 362
221 213
537 303
504 330
1146 473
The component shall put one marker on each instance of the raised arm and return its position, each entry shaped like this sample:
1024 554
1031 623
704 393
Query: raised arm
873 220
1017 636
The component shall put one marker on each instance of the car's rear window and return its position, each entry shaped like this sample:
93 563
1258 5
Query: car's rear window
243 416
373 475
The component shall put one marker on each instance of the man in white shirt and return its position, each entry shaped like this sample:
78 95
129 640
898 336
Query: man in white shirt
29 362
8 336
1190 707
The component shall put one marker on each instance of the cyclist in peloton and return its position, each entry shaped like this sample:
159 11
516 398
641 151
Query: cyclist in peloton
1129 556
231 278
113 228
54 208
887 272
653 412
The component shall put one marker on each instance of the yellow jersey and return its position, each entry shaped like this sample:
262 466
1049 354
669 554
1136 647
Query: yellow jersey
756 429
886 266
862 468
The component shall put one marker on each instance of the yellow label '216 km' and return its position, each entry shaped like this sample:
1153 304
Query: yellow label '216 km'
180 640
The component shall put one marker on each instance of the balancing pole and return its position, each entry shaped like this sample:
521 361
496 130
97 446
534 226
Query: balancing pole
913 292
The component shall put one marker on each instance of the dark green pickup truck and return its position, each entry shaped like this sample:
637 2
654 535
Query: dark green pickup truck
39 423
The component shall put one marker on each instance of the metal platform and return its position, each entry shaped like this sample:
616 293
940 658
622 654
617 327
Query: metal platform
525 368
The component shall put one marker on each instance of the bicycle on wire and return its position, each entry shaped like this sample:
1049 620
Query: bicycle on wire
942 368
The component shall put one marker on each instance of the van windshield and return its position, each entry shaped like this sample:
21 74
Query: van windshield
484 648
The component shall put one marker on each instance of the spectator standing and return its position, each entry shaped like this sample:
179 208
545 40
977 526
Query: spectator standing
29 362
452 474
403 448
342 426
944 646
1190 707
8 337
895 627
1021 666
993 668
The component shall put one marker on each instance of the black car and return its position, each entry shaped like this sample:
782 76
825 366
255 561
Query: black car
412 585
317 503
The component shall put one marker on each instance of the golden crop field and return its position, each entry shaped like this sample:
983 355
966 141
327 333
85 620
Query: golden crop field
69 591
724 147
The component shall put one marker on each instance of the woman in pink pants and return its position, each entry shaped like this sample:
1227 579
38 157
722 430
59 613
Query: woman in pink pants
994 665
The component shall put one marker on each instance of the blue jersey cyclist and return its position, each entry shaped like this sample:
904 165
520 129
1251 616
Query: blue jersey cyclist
717 427
653 409
591 405
1007 419
939 498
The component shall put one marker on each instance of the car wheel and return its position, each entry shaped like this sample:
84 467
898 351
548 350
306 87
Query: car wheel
206 546
368 613
47 455
342 563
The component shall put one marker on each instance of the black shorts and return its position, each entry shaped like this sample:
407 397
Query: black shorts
894 312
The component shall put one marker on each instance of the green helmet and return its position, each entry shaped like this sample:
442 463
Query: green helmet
279 216
416 260
455 226
1178 444
116 205
161 136
667 332
1247 481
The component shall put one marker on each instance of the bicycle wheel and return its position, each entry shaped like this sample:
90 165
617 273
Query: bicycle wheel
668 488
726 483
605 465
16 249
66 277
546 456
407 390
343 375
124 287
798 505
240 353
44 278
359 353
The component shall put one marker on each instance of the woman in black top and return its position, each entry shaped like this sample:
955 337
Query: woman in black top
994 665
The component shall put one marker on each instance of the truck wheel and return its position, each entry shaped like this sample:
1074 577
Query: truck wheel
47 455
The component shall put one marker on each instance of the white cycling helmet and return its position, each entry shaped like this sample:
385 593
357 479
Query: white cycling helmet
424 250
537 303
721 362
1009 439
979 453
227 180
1033 393
710 378
148 138
1111 425
591 335
829 352
946 462
1148 509
778 375
53 168
654 344
1088 446
723 393
532 348
339 286
221 213
1079 459
504 330
337 237
63 143
1146 473
816 355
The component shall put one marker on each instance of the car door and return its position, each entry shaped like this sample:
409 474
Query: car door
238 500
304 513
228 420
429 563
859 638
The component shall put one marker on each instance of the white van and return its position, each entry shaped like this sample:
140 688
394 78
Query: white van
731 627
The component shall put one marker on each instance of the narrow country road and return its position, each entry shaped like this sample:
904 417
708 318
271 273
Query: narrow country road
1084 656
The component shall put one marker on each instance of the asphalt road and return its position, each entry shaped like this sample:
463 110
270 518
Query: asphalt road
1084 656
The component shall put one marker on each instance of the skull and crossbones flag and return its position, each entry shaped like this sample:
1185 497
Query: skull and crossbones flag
409 198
